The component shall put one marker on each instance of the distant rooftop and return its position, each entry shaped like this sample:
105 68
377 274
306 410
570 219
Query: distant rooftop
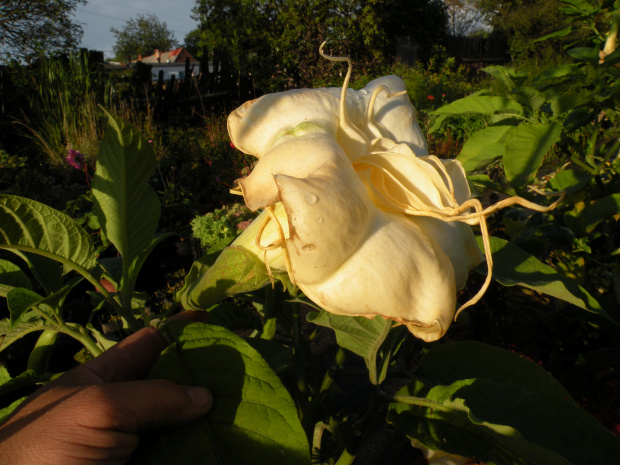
173 56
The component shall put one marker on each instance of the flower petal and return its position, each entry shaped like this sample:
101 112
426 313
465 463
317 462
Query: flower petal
256 125
329 213
397 272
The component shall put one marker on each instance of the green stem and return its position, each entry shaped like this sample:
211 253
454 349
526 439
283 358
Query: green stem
335 366
300 369
133 323
270 310
40 356
79 333
348 454
583 165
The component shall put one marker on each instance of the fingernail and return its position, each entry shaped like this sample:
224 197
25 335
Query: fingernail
201 397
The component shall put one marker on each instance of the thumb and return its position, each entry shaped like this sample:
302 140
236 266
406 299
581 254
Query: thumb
136 406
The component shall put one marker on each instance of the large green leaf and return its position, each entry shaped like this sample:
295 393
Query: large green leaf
31 226
525 149
514 266
253 420
127 207
8 336
235 271
12 276
500 412
480 104
602 209
373 339
450 362
19 301
483 147
362 336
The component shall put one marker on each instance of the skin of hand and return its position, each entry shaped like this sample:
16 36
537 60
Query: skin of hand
93 414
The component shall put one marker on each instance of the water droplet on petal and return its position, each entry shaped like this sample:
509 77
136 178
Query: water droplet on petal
311 198
308 247
319 220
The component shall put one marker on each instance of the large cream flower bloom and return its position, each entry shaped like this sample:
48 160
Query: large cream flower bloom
364 221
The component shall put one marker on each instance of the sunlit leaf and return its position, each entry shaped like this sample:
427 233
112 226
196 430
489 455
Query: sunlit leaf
525 149
483 147
484 105
127 206
570 181
8 336
12 276
494 406
253 420
362 336
19 301
235 271
514 266
31 226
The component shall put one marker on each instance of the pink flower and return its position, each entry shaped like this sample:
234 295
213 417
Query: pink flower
243 225
75 159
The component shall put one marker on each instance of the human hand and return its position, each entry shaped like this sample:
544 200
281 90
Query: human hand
95 412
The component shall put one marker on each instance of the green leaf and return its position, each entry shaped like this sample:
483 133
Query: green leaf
483 181
253 420
48 272
12 276
514 266
535 99
19 301
362 336
24 380
565 102
483 147
127 207
452 361
505 74
570 181
501 423
602 209
366 337
558 72
235 271
525 149
31 226
6 411
584 54
485 105
9 336
495 406
553 35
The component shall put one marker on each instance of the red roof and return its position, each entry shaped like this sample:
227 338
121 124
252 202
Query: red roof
173 56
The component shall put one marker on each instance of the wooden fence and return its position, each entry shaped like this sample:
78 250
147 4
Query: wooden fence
475 53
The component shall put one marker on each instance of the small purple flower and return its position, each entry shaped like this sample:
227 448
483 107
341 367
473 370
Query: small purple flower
75 159
243 225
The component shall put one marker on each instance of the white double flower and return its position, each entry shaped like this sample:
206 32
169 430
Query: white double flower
364 221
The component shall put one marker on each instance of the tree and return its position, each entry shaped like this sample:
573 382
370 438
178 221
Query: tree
33 27
278 40
465 18
523 21
142 36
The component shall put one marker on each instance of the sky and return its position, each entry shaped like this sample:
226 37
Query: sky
98 16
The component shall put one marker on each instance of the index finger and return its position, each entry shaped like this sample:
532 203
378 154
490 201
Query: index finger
130 359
